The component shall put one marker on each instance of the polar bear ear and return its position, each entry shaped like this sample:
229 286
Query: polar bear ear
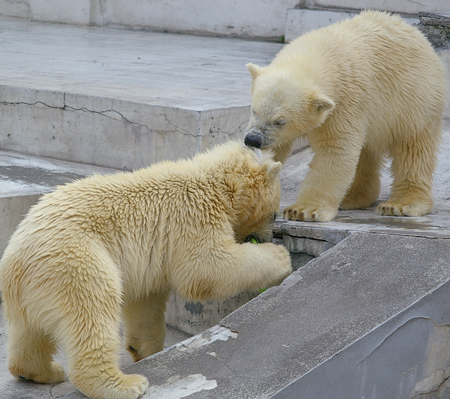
254 70
274 169
322 103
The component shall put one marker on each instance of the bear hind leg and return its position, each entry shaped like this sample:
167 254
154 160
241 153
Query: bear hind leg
92 341
89 330
145 327
30 355
93 356
413 164
365 188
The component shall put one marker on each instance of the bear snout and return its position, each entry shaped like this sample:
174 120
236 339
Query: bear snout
253 139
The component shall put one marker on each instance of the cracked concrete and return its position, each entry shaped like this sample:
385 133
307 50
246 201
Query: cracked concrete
117 90
78 132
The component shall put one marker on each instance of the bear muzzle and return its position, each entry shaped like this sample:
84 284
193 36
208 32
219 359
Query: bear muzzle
254 138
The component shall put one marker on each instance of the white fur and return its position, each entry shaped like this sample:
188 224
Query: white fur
359 90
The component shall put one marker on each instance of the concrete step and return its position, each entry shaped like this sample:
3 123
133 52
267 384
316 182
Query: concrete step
250 18
247 19
369 319
398 6
118 98
10 388
23 179
301 21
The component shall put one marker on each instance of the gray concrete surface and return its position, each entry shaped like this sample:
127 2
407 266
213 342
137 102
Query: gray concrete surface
120 98
329 331
301 21
10 388
250 18
400 6
23 179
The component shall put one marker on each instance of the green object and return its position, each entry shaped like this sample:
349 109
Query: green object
253 241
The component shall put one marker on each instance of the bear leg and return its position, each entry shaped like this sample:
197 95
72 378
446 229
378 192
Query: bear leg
145 327
413 164
228 268
30 355
365 188
330 175
92 344
89 328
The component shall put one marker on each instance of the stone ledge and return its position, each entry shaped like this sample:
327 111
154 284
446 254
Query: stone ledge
374 302
301 21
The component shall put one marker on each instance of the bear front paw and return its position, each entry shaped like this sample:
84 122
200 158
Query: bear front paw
285 263
279 263
398 208
308 213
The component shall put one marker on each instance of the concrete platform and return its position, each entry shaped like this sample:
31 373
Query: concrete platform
399 6
250 18
10 388
121 99
23 179
301 21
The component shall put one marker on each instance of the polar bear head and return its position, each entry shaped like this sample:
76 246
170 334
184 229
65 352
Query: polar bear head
262 200
252 188
285 107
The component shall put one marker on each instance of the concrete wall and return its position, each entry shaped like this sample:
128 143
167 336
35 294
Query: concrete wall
251 18
299 22
402 6
256 18
12 211
109 132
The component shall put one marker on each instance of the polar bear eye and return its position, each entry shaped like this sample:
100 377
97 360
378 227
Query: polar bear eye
280 122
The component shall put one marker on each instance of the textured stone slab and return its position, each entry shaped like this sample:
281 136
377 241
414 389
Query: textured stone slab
250 18
120 98
368 287
301 21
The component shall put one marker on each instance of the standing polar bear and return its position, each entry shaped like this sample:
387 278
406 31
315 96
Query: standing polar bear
111 245
358 90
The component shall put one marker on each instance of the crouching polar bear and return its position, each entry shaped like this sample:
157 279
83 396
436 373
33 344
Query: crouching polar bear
358 90
110 245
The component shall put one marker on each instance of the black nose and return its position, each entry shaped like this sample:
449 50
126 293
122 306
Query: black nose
253 140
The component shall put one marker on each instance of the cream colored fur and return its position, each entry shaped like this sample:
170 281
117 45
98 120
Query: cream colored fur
111 245
359 90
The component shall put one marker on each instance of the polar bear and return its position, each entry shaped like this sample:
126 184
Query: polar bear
358 90
110 245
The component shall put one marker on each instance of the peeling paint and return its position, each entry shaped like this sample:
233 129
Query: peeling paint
436 370
216 333
178 387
